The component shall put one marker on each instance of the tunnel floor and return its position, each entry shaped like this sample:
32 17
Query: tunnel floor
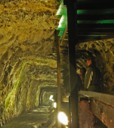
32 119
39 118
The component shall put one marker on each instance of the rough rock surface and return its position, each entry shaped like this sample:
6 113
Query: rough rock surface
26 61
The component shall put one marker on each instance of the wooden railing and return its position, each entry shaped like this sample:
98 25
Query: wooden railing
102 106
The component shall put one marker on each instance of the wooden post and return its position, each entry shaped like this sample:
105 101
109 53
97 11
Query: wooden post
73 99
58 76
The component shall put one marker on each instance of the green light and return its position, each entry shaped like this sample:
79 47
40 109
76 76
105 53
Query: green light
95 12
61 33
105 22
62 23
62 10
95 22
79 12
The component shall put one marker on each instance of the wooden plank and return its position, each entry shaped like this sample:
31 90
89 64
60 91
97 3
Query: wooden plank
104 112
96 17
102 106
95 4
92 33
98 1
85 39
106 98
59 99
98 30
97 22
94 25
95 11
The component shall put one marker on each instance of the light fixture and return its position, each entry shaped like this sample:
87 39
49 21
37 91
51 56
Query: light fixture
54 104
62 118
51 98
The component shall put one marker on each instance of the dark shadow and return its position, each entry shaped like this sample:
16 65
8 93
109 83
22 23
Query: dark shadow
99 124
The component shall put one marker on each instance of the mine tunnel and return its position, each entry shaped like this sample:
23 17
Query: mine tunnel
43 46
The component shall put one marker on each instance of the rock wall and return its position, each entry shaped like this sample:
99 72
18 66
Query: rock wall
26 43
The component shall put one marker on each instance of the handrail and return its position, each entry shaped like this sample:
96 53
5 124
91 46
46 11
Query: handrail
102 106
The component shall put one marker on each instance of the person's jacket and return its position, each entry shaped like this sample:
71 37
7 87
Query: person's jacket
92 79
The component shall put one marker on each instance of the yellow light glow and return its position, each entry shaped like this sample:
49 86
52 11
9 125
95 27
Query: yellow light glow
62 117
55 105
51 98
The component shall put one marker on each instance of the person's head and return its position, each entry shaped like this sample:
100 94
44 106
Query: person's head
88 61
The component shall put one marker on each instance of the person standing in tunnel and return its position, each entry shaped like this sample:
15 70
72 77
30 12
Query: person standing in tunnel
81 72
92 78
